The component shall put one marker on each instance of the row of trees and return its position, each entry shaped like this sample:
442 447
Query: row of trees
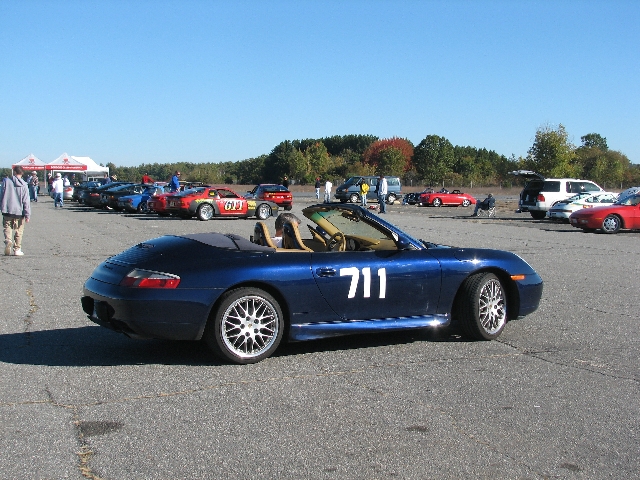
434 161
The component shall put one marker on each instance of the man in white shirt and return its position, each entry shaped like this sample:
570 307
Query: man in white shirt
382 194
280 221
327 191
57 187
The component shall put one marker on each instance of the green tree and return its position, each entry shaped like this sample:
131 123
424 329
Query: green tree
391 161
317 159
552 154
596 140
433 159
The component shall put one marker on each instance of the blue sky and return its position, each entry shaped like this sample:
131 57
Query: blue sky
134 82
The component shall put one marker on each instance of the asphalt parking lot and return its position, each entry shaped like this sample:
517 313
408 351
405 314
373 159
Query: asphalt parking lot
556 396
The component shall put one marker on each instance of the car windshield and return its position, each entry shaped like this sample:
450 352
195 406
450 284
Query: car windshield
632 199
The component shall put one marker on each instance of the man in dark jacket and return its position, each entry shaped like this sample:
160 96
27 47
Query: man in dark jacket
16 210
487 204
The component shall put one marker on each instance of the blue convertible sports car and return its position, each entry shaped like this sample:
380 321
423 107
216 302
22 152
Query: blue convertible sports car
352 273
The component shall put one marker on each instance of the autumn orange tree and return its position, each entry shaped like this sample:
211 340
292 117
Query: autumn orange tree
375 155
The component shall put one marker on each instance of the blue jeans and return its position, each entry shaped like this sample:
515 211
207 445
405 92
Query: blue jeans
382 201
363 199
57 199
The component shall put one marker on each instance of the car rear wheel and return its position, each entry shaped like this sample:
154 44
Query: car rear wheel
354 198
247 326
436 202
611 224
537 215
466 202
480 309
263 211
205 212
142 207
391 199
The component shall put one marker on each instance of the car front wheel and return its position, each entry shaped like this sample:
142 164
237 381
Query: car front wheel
611 224
466 202
263 211
354 198
391 198
481 308
247 326
205 212
142 207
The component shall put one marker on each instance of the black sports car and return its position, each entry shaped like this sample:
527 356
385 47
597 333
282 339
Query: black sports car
352 273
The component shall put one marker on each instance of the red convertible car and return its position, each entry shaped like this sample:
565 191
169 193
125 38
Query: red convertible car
622 215
454 198
209 202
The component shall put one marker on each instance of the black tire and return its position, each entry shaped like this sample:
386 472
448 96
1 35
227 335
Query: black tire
391 199
537 215
247 326
611 224
205 212
263 211
142 207
466 202
436 202
288 207
480 309
354 198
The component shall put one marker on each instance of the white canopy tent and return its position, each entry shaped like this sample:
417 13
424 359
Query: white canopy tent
83 165
30 163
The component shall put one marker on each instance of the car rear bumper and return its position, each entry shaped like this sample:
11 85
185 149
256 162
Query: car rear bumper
148 313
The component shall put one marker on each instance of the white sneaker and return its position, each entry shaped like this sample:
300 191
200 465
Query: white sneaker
18 252
8 247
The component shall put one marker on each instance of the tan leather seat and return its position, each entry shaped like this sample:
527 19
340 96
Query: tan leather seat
261 235
291 238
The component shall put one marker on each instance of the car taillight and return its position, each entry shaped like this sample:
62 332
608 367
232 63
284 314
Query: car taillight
540 198
148 279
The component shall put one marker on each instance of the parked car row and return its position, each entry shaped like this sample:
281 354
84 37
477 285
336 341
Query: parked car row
193 200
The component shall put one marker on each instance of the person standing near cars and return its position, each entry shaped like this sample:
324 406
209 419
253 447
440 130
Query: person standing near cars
381 190
364 189
174 184
327 191
57 187
146 179
34 186
318 185
16 210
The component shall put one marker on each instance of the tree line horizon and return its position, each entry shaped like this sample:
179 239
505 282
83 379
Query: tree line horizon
433 162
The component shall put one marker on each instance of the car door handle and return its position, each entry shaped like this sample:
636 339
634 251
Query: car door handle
325 272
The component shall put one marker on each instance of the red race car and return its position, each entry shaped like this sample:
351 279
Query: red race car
454 198
158 204
275 193
209 202
622 215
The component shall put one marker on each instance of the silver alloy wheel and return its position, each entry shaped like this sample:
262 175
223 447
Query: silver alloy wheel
611 224
250 326
263 212
437 202
205 212
143 208
466 202
491 307
354 198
